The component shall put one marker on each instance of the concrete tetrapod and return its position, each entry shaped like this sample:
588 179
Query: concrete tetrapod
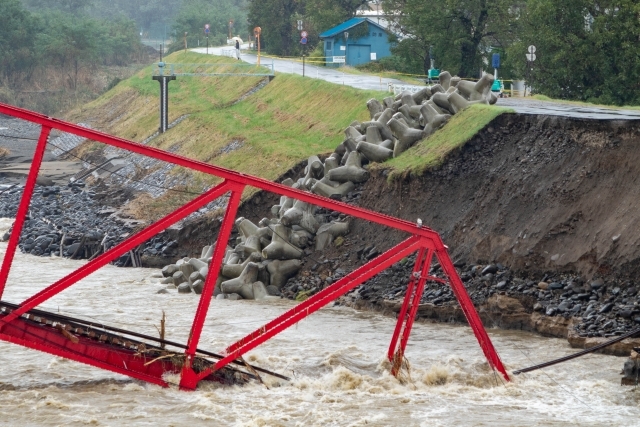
445 80
328 232
281 270
234 270
441 100
405 135
280 247
374 107
338 192
373 152
246 284
433 119
302 214
478 91
351 171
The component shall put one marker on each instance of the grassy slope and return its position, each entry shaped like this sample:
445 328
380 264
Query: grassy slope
288 120
431 151
282 124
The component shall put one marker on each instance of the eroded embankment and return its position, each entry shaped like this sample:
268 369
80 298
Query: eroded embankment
536 193
543 196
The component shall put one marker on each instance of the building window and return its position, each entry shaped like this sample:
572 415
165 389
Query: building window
328 46
380 34
374 34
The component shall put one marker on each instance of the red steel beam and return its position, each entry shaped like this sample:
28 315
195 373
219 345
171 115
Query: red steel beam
422 237
470 312
405 304
23 208
230 175
317 301
417 295
188 378
84 351
116 252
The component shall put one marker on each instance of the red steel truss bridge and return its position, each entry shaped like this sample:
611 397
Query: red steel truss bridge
130 353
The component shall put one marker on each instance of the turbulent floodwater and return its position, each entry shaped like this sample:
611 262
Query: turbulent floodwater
335 358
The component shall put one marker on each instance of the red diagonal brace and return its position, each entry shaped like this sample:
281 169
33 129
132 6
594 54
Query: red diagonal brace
188 377
415 296
23 207
470 312
317 301
116 251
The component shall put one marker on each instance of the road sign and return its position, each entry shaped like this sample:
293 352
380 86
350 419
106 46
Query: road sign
206 29
338 59
495 60
299 24
303 34
531 57
532 49
303 40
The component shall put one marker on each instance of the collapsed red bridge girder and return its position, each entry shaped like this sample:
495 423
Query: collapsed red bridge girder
423 240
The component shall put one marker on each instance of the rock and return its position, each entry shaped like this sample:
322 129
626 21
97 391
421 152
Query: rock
501 285
543 285
490 269
555 286
605 308
597 284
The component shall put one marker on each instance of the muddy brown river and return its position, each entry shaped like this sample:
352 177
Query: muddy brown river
336 359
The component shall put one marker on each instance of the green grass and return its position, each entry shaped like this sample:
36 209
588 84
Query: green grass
280 125
432 151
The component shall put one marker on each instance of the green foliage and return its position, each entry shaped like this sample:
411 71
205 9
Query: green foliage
278 20
193 16
17 51
457 34
587 51
53 37
325 14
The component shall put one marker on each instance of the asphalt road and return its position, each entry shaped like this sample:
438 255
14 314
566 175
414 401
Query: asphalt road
370 82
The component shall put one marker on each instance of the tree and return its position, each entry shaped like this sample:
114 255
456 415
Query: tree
194 14
17 27
586 50
325 14
276 18
458 34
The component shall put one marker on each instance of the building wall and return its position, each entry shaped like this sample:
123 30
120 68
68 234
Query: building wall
359 51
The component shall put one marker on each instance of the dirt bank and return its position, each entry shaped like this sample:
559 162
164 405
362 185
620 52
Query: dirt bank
539 194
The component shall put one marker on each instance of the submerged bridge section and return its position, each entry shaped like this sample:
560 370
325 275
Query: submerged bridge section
124 352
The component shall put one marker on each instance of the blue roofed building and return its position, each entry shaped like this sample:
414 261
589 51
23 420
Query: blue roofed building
354 42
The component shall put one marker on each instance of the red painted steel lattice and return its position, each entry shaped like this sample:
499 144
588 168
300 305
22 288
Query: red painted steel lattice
422 240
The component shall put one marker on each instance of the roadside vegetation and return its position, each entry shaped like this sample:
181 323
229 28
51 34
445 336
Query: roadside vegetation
585 51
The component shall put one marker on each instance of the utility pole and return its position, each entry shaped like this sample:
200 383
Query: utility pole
346 48
185 42
303 41
206 32
256 32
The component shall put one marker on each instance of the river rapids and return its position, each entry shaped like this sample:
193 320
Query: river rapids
335 358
